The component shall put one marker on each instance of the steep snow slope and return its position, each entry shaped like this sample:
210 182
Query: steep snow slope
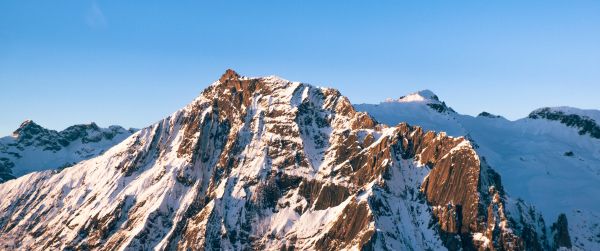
34 148
551 159
421 108
264 163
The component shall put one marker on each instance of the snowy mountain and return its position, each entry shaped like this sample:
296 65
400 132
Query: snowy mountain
34 148
550 159
265 163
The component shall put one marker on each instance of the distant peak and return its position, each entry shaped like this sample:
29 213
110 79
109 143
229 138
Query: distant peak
488 115
425 96
27 123
229 75
565 110
585 120
91 125
428 94
28 126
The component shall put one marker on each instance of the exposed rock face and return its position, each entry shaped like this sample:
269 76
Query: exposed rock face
35 148
584 124
264 163
6 169
441 107
488 115
560 232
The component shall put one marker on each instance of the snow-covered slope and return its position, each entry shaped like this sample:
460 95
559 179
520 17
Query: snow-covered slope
34 148
550 159
423 107
265 163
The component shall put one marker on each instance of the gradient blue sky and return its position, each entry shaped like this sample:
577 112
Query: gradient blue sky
134 62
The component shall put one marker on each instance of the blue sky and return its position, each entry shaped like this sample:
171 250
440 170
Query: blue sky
135 62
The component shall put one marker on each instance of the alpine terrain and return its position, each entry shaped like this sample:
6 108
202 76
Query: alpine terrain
265 163
550 159
35 148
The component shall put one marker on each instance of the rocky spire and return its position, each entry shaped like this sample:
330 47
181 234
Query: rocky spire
229 75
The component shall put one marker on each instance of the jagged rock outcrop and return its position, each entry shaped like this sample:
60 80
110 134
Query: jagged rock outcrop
264 163
560 233
488 115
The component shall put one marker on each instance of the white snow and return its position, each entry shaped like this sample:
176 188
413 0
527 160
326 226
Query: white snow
480 237
421 96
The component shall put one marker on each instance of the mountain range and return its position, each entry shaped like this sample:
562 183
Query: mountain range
34 148
266 163
550 159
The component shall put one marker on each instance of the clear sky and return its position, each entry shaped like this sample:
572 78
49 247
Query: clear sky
135 62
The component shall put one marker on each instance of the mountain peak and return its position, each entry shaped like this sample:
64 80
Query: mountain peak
28 126
229 75
485 114
92 126
27 122
425 96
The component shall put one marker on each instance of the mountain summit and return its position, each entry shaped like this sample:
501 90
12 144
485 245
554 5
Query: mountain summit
28 128
265 163
229 75
425 96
